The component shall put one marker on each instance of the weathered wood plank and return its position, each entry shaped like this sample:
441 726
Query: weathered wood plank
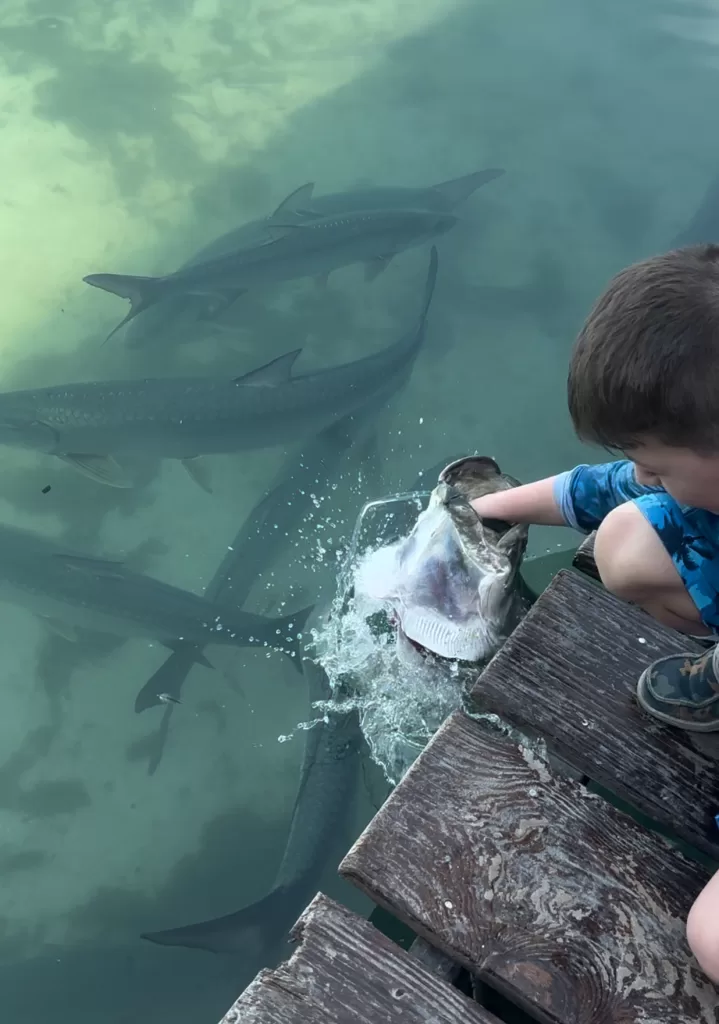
584 557
346 972
569 673
567 906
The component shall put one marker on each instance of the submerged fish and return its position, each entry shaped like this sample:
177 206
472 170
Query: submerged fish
70 591
321 813
89 424
165 318
453 585
261 538
320 816
304 246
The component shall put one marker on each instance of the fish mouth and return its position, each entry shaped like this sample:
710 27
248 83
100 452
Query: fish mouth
414 644
433 636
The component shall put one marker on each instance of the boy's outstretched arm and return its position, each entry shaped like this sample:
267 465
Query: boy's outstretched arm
530 503
580 498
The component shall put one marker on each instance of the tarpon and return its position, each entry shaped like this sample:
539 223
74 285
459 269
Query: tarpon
173 314
260 540
321 813
453 585
70 591
90 424
301 246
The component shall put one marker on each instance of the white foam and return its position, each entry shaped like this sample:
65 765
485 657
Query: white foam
402 697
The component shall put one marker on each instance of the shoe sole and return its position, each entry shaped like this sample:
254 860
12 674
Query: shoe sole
667 719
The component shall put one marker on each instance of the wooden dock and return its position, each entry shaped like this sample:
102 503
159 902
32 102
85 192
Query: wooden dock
549 841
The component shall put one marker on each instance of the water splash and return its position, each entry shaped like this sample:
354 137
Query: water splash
401 696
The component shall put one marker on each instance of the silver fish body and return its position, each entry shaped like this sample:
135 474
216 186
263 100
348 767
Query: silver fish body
320 819
174 314
70 590
299 247
454 584
89 424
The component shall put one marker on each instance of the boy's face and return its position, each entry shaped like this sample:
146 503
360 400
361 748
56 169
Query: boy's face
690 478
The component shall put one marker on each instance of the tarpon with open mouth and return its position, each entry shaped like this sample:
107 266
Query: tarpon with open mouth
452 587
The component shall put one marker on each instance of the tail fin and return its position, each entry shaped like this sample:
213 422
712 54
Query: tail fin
291 627
142 292
457 190
255 928
169 677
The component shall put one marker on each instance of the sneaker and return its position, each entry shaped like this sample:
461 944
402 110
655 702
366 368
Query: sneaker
683 690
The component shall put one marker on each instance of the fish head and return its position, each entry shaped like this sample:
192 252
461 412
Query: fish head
453 584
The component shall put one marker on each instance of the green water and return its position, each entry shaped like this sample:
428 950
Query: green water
132 135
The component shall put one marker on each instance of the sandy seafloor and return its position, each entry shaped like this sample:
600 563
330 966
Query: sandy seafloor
134 132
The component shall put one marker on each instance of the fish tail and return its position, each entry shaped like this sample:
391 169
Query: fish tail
457 190
253 930
168 678
142 292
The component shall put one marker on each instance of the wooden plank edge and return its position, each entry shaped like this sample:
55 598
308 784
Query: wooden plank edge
583 559
292 980
351 869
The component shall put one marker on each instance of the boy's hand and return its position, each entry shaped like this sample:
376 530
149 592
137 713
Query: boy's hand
531 503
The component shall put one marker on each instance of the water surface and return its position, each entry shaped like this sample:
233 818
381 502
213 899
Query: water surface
135 133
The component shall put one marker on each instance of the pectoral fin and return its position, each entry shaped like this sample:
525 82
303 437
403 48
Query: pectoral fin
279 371
199 471
102 468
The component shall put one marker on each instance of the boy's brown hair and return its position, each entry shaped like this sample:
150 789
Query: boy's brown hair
646 363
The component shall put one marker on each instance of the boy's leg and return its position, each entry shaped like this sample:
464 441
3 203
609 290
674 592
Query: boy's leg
635 563
703 929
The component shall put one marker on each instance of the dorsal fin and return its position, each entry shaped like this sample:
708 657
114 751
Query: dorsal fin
295 204
279 371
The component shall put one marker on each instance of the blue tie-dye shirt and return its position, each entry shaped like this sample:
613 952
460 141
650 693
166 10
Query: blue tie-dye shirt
586 494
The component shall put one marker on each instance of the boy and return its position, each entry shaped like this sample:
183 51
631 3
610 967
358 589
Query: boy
644 382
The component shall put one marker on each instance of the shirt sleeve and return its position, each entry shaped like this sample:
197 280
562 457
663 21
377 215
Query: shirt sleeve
586 493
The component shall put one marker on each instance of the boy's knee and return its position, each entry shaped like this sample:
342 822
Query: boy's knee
703 936
622 551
